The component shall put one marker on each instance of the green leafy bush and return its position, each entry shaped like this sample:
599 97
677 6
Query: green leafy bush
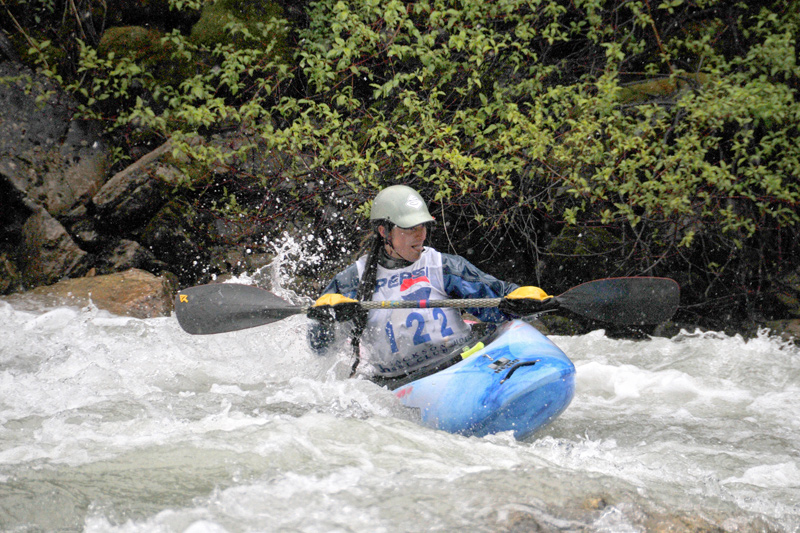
671 126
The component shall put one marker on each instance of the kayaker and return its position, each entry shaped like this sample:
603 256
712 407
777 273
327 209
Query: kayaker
398 266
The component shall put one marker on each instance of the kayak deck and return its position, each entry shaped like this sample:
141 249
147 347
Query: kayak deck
520 381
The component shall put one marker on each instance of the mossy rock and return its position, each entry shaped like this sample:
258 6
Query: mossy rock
10 279
210 30
145 47
151 13
788 292
560 325
577 255
172 236
135 42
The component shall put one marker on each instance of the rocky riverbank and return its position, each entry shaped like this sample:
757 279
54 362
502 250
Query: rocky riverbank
69 214
75 222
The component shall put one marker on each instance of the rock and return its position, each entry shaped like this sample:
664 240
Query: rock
595 503
10 280
148 48
130 254
789 292
577 255
16 209
47 253
86 235
145 12
50 165
170 235
134 194
211 29
787 329
7 49
54 160
693 524
560 325
134 293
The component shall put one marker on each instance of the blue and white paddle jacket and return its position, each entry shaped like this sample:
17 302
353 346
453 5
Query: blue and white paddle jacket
399 341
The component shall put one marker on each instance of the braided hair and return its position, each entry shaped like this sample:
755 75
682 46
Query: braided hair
366 290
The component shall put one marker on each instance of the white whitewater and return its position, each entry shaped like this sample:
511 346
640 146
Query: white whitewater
119 424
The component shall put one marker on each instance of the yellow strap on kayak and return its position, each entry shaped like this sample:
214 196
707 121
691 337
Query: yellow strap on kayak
529 292
471 351
333 299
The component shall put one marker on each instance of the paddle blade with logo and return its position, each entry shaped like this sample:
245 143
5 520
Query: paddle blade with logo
222 307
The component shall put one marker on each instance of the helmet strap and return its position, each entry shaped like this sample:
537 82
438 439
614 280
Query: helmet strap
387 260
386 236
392 263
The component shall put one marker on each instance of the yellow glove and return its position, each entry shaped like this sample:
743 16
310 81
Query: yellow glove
334 306
333 299
523 301
529 291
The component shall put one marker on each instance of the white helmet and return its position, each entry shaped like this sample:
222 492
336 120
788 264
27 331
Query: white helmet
400 205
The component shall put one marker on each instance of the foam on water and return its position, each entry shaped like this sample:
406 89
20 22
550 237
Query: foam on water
117 424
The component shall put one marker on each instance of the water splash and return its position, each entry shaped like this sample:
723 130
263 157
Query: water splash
119 424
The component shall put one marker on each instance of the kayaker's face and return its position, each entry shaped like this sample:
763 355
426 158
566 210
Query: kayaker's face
405 243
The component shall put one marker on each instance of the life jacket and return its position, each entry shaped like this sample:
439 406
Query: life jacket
400 341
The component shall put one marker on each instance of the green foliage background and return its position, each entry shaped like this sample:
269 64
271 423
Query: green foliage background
588 137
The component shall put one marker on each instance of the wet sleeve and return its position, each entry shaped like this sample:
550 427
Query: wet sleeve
462 279
321 334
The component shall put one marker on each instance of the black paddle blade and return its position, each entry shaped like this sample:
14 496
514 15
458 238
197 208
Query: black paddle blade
629 301
222 307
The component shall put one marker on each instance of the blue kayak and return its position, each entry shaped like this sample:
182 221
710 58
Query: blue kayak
515 380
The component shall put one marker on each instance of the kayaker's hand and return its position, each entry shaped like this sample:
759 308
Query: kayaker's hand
523 301
330 307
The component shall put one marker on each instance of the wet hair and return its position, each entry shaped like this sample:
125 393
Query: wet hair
366 288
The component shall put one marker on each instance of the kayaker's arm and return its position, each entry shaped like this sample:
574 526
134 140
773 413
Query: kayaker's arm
462 279
322 332
321 335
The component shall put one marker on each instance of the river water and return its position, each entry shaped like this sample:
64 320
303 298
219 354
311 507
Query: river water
120 424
